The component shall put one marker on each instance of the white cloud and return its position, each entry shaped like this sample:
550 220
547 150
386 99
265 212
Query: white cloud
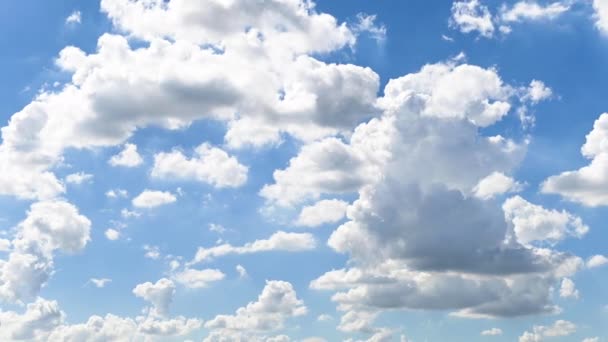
100 282
152 199
209 165
194 279
49 227
241 271
492 332
588 184
591 339
324 318
279 241
597 261
78 178
533 223
538 91
531 10
262 74
74 18
116 193
471 15
539 332
152 252
159 294
218 228
128 157
325 211
367 23
601 15
126 213
396 231
39 318
495 184
568 289
277 302
112 234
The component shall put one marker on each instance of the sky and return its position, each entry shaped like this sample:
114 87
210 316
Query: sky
297 170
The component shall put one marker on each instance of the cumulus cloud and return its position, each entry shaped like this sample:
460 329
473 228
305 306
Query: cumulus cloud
128 157
539 332
531 10
112 234
194 279
209 165
100 282
495 184
325 211
117 193
533 223
153 198
159 294
78 178
74 18
277 302
597 261
257 68
588 184
492 332
50 226
471 15
568 289
241 271
40 317
474 16
279 241
601 15
396 231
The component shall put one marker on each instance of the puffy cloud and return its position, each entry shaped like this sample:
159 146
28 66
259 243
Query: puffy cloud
533 223
116 193
241 271
428 105
40 317
257 68
367 23
591 339
159 294
471 15
78 178
531 10
568 289
194 279
152 252
152 198
177 326
277 302
279 241
112 234
209 165
539 332
325 211
74 18
415 201
97 329
328 165
538 91
128 157
495 184
100 282
597 261
601 15
50 226
492 332
586 185
324 318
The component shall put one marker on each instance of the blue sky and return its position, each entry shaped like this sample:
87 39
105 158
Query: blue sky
296 171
